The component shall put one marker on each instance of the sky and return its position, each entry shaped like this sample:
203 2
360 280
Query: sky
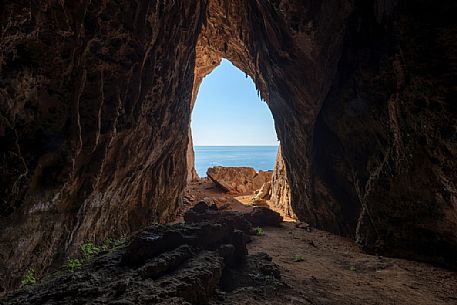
229 112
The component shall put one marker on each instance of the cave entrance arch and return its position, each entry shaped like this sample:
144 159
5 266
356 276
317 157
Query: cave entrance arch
248 36
231 125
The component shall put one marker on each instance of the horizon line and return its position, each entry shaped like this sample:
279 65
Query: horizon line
238 145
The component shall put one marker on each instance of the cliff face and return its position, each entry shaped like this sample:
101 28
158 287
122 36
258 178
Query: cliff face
96 99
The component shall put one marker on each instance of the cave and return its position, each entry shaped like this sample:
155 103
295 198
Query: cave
96 99
230 126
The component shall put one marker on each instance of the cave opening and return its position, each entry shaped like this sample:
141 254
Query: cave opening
231 125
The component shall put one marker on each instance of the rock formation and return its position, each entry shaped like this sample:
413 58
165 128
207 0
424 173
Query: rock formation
264 193
164 264
258 216
91 145
384 143
238 180
190 159
280 190
95 102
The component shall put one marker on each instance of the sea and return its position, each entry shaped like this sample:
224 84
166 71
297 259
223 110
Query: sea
258 157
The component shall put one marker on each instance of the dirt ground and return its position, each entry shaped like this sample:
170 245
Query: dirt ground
322 268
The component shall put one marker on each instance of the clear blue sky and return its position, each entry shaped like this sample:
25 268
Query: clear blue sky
229 112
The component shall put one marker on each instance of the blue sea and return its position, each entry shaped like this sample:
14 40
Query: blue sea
258 157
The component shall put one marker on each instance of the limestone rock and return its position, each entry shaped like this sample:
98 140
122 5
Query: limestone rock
238 180
91 146
264 193
280 190
190 157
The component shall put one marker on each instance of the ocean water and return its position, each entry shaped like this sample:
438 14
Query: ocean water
258 157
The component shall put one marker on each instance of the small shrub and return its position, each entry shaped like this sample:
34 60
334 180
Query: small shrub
89 249
73 264
353 268
29 278
298 258
259 231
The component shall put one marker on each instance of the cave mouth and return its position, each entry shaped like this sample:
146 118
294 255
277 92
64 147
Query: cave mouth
231 125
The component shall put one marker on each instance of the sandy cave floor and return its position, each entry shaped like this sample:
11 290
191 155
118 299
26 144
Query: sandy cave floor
323 268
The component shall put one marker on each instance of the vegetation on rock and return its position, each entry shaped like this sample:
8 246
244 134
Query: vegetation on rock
29 278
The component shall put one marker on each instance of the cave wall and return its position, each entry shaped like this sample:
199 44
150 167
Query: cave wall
94 116
280 189
385 142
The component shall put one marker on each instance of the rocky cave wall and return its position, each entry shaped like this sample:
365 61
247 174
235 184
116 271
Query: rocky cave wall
384 153
96 100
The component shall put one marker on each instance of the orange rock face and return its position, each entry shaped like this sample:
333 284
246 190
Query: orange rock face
238 180
280 190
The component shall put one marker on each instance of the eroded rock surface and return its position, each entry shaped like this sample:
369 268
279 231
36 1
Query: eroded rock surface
280 190
238 180
384 148
164 264
91 146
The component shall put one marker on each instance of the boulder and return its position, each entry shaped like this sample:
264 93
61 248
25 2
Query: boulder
264 193
202 212
238 180
263 216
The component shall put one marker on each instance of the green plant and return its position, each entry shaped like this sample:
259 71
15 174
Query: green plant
29 278
73 264
298 258
107 244
259 231
353 268
89 249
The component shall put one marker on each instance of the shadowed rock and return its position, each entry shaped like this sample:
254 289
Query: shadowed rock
163 264
201 212
258 216
263 216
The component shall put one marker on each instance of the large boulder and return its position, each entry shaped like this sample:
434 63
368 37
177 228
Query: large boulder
238 180
263 216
